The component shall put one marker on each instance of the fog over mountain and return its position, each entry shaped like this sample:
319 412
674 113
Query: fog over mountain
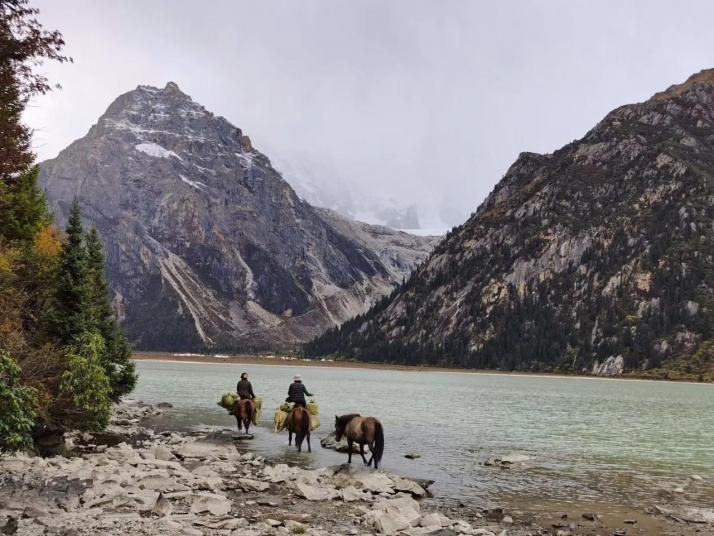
379 105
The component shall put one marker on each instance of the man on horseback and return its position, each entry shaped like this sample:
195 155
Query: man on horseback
244 388
297 392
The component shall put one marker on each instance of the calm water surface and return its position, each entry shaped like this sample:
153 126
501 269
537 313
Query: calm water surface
607 441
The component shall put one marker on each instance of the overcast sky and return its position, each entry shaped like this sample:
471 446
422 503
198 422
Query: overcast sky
424 102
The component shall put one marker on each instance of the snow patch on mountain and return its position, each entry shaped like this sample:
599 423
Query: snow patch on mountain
152 149
194 184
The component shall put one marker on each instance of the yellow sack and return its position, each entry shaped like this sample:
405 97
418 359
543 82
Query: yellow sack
258 410
279 419
313 408
314 421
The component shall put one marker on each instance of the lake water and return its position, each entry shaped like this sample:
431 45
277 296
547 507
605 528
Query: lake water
592 441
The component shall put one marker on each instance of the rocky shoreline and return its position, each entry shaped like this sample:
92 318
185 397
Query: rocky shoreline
134 480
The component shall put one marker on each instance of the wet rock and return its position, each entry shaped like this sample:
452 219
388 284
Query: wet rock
507 519
164 405
590 516
217 505
514 458
330 442
619 532
412 456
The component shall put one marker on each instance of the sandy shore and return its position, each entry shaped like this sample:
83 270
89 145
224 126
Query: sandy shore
133 479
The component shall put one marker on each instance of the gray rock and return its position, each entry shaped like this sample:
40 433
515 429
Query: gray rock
248 484
217 505
162 508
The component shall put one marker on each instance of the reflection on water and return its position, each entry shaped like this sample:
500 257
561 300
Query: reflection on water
590 440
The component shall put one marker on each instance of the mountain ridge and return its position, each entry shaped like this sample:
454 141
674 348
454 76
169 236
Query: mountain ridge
600 252
207 245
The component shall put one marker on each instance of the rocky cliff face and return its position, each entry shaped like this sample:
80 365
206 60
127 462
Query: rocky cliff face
599 256
207 246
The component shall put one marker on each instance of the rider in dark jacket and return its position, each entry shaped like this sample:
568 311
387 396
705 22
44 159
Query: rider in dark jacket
244 388
297 392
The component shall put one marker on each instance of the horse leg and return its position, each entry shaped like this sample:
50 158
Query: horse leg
349 450
361 453
290 437
371 451
246 424
309 448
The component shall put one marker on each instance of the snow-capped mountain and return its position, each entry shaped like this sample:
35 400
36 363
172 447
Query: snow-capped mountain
207 245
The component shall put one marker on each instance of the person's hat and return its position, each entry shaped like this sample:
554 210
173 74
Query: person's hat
297 378
243 374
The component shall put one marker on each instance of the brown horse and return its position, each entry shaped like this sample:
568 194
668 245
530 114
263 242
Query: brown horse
243 412
298 423
363 431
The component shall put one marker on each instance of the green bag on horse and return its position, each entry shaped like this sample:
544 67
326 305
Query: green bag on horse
228 401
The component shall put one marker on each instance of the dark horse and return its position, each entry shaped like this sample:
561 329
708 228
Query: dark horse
243 411
361 430
298 423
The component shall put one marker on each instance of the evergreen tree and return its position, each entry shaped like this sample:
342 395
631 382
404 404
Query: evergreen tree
70 313
23 210
115 357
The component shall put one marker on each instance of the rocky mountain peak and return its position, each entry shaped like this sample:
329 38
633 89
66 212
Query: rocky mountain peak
207 245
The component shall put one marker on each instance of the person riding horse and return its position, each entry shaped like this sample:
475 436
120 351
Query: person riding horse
244 388
297 392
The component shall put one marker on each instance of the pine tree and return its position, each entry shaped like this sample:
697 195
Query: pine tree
70 313
116 354
23 210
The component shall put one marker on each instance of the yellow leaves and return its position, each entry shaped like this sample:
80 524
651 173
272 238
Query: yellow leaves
7 260
48 242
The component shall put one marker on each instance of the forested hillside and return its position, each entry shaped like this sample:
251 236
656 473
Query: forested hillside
597 258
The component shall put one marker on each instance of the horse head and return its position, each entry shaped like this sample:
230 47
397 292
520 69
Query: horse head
341 424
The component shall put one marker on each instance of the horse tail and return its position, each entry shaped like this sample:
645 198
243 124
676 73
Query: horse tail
378 443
